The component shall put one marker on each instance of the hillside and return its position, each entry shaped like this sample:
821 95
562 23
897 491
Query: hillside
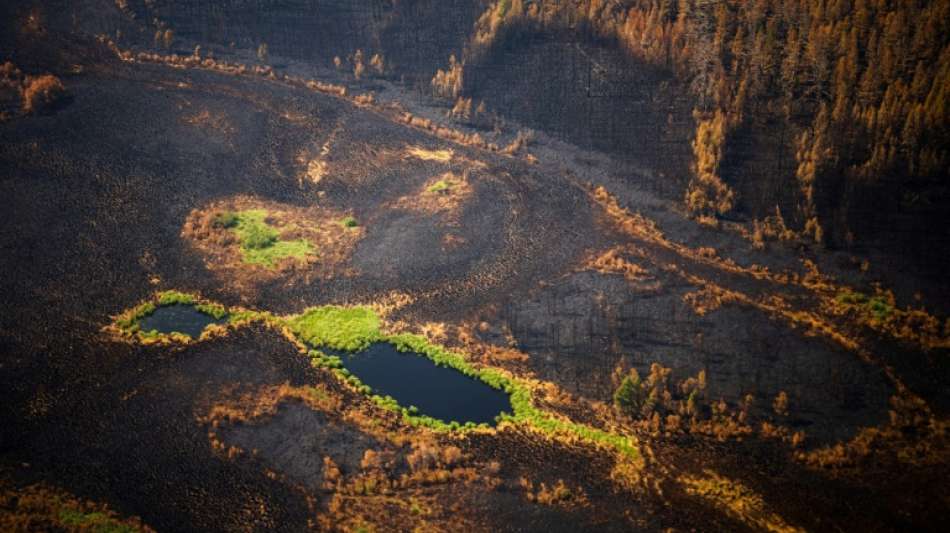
471 265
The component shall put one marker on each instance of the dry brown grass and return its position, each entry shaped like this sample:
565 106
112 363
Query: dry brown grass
558 494
448 83
771 228
41 507
703 300
211 122
250 407
879 312
913 435
823 317
520 143
10 76
707 194
613 262
737 500
390 111
263 403
426 154
409 501
320 226
42 93
443 195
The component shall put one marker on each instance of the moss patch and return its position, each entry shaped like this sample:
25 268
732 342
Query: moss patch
95 521
439 186
340 328
875 307
261 243
248 240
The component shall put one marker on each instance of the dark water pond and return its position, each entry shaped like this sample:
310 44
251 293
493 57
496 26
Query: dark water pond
412 379
178 318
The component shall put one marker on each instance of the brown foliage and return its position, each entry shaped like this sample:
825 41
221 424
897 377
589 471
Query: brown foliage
42 93
707 194
448 83
865 85
44 508
913 435
10 76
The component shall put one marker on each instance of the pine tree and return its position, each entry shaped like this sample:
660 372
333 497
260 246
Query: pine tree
628 396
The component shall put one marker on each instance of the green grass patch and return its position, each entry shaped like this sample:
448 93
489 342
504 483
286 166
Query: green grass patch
261 243
214 310
279 250
875 307
349 222
503 7
175 298
349 329
439 186
847 297
355 328
243 317
129 321
96 522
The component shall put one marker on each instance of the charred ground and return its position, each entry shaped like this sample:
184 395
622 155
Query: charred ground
559 264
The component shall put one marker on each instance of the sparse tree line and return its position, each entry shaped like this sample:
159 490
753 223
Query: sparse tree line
863 85
357 61
658 404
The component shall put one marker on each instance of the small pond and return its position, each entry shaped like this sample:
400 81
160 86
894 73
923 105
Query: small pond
178 319
414 380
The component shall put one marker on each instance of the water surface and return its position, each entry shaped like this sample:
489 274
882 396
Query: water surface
178 319
414 380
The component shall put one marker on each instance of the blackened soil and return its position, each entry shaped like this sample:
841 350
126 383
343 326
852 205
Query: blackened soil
95 196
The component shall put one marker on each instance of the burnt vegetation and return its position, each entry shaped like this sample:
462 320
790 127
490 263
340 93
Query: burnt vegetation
695 252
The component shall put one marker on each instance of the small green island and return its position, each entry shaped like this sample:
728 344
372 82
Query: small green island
260 242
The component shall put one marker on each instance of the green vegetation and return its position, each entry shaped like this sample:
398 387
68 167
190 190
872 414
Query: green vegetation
128 322
95 521
502 8
340 328
244 316
260 243
439 186
175 298
225 219
875 307
880 312
349 222
217 311
355 328
628 397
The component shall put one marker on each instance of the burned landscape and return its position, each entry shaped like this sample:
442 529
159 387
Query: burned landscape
495 266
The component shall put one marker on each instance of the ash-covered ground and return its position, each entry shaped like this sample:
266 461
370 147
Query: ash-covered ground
563 266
